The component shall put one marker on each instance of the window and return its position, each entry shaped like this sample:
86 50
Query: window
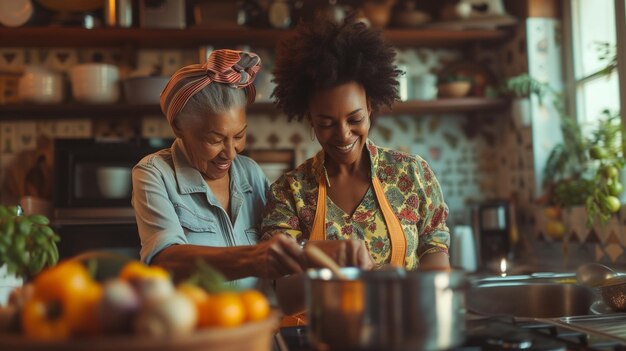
594 29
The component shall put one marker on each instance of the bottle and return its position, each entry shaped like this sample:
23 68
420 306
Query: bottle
118 13
279 14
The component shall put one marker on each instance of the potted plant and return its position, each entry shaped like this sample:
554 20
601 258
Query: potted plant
582 170
27 245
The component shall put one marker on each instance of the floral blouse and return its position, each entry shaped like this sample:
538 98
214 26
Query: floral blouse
410 188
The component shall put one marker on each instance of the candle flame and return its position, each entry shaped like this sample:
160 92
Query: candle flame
503 266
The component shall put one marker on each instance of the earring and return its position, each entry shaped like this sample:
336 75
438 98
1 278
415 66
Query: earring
312 133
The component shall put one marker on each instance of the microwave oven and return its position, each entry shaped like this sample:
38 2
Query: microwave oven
93 178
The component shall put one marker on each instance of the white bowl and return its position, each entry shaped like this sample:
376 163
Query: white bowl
114 182
40 85
95 83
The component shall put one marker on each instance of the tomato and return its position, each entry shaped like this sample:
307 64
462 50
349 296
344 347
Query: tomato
256 305
552 212
611 203
598 153
200 299
615 188
555 230
225 310
44 321
137 270
610 172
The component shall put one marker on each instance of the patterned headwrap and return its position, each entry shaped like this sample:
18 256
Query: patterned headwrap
235 68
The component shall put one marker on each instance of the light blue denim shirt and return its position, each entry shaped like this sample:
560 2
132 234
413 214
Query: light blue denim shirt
174 205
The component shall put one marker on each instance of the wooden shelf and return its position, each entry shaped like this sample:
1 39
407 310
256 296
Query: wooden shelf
198 36
448 105
112 111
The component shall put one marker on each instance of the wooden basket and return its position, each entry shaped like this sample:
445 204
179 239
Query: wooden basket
255 336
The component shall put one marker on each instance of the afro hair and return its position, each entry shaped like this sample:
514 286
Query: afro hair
324 54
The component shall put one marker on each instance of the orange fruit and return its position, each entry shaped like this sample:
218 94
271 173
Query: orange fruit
255 304
200 299
63 282
225 310
137 270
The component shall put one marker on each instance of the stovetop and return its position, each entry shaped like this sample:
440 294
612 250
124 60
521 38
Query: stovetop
503 333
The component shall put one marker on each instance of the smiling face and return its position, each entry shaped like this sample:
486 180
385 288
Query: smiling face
213 141
340 117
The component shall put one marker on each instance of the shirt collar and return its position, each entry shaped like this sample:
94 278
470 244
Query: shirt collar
320 170
190 180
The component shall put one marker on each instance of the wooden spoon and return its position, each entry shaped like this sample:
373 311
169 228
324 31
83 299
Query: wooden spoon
319 257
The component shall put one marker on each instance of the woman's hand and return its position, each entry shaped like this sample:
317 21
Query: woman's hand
346 252
277 257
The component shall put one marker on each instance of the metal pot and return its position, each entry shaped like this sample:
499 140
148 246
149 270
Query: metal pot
388 309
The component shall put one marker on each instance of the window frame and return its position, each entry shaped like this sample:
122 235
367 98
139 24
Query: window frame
570 81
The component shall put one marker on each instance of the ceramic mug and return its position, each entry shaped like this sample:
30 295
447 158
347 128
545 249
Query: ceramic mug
425 87
114 182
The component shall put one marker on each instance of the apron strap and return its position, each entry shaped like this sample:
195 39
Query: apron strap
396 233
318 232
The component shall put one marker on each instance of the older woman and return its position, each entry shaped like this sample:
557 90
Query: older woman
199 199
335 76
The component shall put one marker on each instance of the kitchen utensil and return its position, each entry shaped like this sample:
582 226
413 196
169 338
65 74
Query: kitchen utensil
594 274
15 13
613 292
529 298
385 310
317 256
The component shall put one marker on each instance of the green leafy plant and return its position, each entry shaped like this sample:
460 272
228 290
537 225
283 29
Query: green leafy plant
582 170
27 243
208 278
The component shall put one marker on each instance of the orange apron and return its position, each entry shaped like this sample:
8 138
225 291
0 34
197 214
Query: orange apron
318 232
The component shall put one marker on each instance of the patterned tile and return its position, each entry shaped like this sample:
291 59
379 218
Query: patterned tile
9 138
273 140
592 238
150 127
12 60
26 136
62 59
613 251
599 253
46 128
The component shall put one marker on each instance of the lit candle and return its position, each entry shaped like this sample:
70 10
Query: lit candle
503 267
